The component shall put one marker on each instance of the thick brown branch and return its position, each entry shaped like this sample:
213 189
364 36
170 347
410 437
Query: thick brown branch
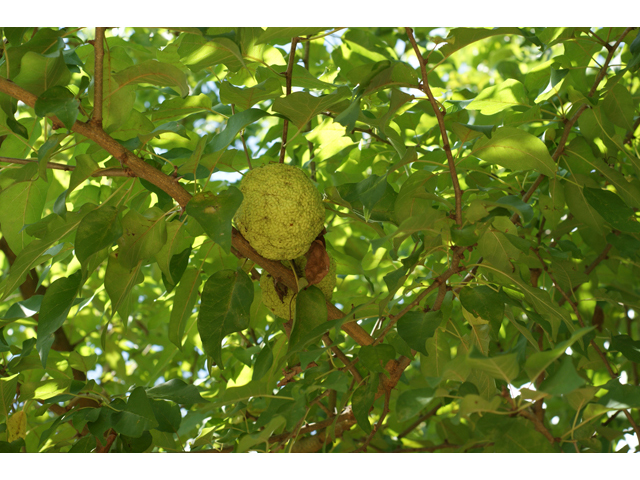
98 46
96 134
443 131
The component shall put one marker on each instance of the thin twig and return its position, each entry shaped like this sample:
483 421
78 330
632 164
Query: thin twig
349 364
576 312
285 128
590 269
603 70
385 411
98 46
423 418
443 131
103 172
440 280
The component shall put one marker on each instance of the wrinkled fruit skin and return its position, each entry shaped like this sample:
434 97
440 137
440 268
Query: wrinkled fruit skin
286 308
282 211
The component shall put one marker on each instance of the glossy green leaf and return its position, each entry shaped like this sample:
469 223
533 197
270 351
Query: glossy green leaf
56 303
27 202
136 417
613 209
416 328
58 101
142 236
215 212
119 281
516 150
183 302
177 391
155 73
362 401
375 358
224 309
311 312
97 230
494 99
234 125
301 107
412 402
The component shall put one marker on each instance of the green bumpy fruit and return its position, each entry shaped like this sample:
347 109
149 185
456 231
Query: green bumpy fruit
286 307
281 213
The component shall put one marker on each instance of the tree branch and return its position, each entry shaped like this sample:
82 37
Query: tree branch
103 172
443 131
285 127
437 283
98 46
603 70
417 423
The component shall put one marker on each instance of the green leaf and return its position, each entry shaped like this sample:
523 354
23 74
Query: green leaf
177 108
475 403
613 209
301 107
362 401
564 380
183 302
483 302
411 402
142 236
177 391
85 445
516 150
311 313
263 364
376 357
167 414
85 166
621 396
97 230
494 99
234 125
501 367
41 72
155 73
34 253
169 127
136 445
618 106
27 201
56 303
461 37
627 346
416 328
58 101
521 438
215 212
226 300
198 52
119 281
245 98
283 35
538 362
136 417
7 394
262 436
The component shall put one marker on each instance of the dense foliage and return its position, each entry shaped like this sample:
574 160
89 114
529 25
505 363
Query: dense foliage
481 190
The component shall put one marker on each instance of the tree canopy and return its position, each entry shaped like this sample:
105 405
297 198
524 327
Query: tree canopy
481 190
